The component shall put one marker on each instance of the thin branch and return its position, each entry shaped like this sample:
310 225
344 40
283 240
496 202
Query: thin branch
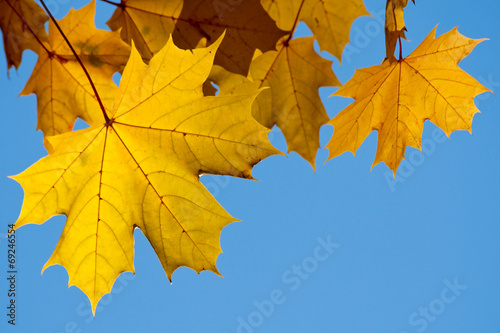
106 118
294 23
400 49
113 3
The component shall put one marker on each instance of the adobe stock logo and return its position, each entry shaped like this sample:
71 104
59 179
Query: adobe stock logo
421 318
292 279
362 37
414 159
222 6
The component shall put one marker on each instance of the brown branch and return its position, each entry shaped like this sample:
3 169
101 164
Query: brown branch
294 24
113 3
400 49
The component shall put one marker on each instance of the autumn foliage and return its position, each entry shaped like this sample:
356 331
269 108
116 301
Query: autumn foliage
150 138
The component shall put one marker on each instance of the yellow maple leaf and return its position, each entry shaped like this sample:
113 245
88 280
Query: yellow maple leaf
394 25
19 35
149 23
141 169
329 20
61 86
294 73
395 98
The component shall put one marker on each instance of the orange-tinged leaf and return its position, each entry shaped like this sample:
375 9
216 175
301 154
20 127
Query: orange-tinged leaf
295 73
142 170
248 27
329 20
18 35
149 23
63 91
396 98
394 25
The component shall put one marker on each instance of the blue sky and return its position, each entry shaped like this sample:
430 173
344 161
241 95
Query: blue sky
343 250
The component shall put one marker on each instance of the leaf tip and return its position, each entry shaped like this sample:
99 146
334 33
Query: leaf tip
247 174
215 45
313 165
216 271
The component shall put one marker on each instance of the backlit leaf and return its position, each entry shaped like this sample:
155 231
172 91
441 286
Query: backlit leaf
18 35
142 169
395 98
248 27
62 89
329 20
295 73
149 23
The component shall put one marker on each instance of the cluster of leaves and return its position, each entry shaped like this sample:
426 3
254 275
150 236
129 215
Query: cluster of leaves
138 164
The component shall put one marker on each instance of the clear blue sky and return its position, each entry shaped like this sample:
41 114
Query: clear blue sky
418 255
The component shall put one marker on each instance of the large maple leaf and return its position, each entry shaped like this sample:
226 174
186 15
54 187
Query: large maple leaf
141 169
395 98
61 86
22 23
329 20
